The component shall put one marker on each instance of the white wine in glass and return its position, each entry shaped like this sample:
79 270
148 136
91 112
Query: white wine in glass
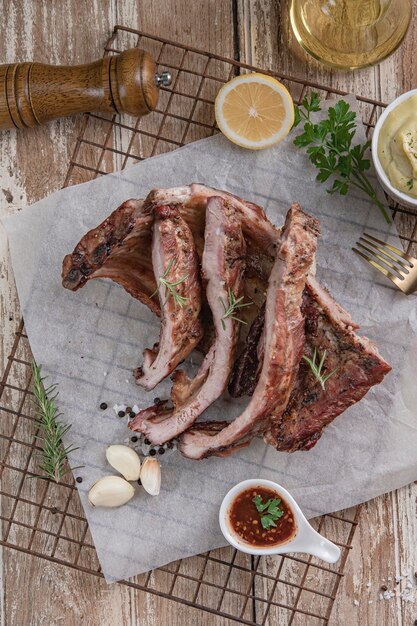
349 34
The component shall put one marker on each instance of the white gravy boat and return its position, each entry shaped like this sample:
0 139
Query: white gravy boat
306 539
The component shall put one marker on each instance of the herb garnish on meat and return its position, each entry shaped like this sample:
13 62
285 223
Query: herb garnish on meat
329 147
233 305
269 511
170 286
317 367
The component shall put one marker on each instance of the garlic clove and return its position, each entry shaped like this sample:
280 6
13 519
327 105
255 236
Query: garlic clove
124 460
110 491
150 476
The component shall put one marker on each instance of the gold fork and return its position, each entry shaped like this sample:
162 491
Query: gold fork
402 267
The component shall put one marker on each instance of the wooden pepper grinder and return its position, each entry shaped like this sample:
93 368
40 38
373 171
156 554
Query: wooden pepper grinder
34 93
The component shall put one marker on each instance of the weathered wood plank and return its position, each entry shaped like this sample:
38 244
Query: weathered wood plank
384 548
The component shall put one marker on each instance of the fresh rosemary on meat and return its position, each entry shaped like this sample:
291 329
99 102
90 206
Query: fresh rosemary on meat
269 511
233 305
317 366
330 150
53 456
170 286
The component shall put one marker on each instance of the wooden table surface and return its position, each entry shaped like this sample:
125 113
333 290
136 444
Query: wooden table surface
33 164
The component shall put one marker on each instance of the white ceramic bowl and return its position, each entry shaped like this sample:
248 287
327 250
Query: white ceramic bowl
306 539
401 197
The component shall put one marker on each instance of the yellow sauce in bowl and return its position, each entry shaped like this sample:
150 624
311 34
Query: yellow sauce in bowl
397 146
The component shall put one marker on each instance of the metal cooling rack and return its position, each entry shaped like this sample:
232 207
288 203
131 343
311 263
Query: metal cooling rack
46 520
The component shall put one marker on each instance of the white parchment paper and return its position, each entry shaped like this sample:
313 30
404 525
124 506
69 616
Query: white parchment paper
90 341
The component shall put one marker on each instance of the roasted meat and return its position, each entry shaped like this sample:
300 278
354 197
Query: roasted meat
240 249
222 268
119 248
356 364
282 338
176 270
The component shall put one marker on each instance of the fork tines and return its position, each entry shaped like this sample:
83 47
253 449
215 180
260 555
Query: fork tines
394 263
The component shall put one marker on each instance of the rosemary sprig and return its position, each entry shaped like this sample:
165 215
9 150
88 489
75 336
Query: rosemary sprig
330 150
170 287
233 305
317 367
52 459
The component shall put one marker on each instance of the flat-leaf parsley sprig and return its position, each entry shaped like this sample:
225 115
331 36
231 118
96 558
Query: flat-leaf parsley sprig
233 305
316 367
329 147
170 286
53 456
269 511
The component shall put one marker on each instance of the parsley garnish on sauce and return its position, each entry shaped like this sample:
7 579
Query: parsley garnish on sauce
269 511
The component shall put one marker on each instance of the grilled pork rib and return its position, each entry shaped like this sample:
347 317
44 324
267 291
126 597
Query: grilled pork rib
355 361
282 338
119 248
222 267
175 260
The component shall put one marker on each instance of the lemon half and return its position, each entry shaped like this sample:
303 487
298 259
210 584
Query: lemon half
254 111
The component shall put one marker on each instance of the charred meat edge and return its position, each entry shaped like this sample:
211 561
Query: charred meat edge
119 249
173 251
222 267
283 339
354 359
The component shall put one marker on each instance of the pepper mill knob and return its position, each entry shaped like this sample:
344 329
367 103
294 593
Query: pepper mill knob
163 79
34 93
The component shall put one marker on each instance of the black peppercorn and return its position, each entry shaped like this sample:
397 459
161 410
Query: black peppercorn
161 450
134 439
128 409
384 588
147 442
79 479
54 510
152 452
132 414
170 445
121 414
103 406
157 400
